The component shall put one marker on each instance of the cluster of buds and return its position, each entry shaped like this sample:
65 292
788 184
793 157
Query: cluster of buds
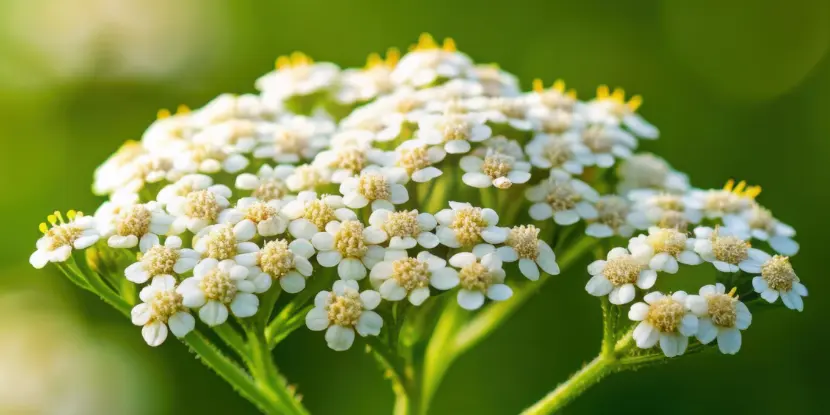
433 176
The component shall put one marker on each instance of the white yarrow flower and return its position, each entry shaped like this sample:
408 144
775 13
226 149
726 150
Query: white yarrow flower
198 209
777 279
566 200
454 132
61 238
216 286
523 245
382 188
618 276
251 213
399 276
350 247
495 169
161 308
664 319
343 311
309 215
464 225
159 260
479 278
727 252
286 262
662 249
721 316
405 229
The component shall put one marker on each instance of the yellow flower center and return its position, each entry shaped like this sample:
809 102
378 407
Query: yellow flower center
597 139
62 235
260 211
557 151
344 310
270 189
413 159
221 243
613 211
218 286
722 310
159 260
475 277
669 241
164 304
524 240
666 314
622 270
373 186
349 239
497 165
561 195
671 219
455 128
202 204
410 273
779 273
351 159
402 224
319 213
729 249
276 259
467 225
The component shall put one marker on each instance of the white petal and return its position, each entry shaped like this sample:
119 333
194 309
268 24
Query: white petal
418 296
729 340
598 286
329 259
181 323
470 300
244 305
370 299
638 311
351 269
444 279
141 314
646 279
529 269
317 319
369 324
339 338
499 292
154 333
213 313
645 335
392 291
622 295
706 331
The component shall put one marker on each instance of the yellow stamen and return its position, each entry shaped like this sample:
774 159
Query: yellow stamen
733 291
729 185
52 219
449 45
635 102
618 95
393 55
59 216
71 214
163 113
283 62
299 58
559 85
602 92
752 192
43 227
182 109
740 187
538 86
425 41
373 60
571 93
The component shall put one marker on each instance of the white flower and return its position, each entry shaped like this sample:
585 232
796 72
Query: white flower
307 177
364 84
523 245
428 63
349 246
381 187
496 169
553 98
454 132
399 276
251 213
268 184
617 276
612 109
558 154
717 203
777 279
416 159
297 75
727 252
169 133
215 286
230 107
496 82
387 117
207 157
342 311
502 110
343 161
159 260
558 121
666 319
227 242
161 308
309 215
183 186
663 248
566 200
721 316
57 241
286 262
199 208
612 218
465 225
294 139
758 223
116 171
404 229
126 226
606 143
479 278
664 210
645 170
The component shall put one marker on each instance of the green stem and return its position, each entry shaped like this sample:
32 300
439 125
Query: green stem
233 339
279 332
266 375
609 326
98 286
588 376
441 350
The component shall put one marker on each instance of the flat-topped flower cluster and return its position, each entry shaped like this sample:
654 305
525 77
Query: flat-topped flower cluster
399 182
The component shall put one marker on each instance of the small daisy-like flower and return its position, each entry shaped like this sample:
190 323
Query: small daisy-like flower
230 107
161 308
428 63
553 98
464 225
606 143
665 319
721 316
343 311
611 108
496 169
399 276
364 84
286 262
294 139
664 210
183 186
566 200
62 237
617 276
268 184
663 248
350 247
159 260
297 75
523 245
727 252
495 81
479 278
207 157
343 161
453 132
215 286
416 159
127 226
717 203
251 213
382 188
777 279
558 122
307 177
113 174
647 171
198 209
405 229
612 218
309 215
227 242
502 110
757 222
558 154
169 133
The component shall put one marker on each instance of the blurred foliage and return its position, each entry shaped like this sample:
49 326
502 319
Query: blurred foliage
738 90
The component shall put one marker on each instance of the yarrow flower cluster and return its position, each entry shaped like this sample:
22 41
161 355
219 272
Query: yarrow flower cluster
441 181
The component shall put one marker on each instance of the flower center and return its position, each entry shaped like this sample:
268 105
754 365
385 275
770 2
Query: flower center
351 159
344 310
509 107
308 177
557 151
666 314
202 152
221 243
63 235
761 218
202 204
561 195
557 122
373 186
669 241
722 201
218 286
270 189
260 211
455 128
276 259
290 142
524 240
729 249
497 165
349 240
622 270
722 310
134 221
413 159
319 213
410 273
778 273
668 202
402 224
671 219
613 211
159 260
164 304
475 277
467 225
597 139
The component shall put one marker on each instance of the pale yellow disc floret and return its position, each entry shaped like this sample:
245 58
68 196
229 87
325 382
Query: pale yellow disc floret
673 220
344 310
351 159
475 277
319 213
467 225
159 260
63 235
410 273
779 273
275 259
666 240
561 195
722 309
218 286
135 220
164 304
349 239
202 204
373 186
612 211
402 224
259 212
270 189
497 165
220 243
729 249
455 128
597 139
524 240
622 270
557 152
413 159
666 314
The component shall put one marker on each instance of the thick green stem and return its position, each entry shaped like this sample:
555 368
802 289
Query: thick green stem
578 383
266 376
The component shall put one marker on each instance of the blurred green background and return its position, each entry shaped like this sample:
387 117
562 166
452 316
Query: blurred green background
738 90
